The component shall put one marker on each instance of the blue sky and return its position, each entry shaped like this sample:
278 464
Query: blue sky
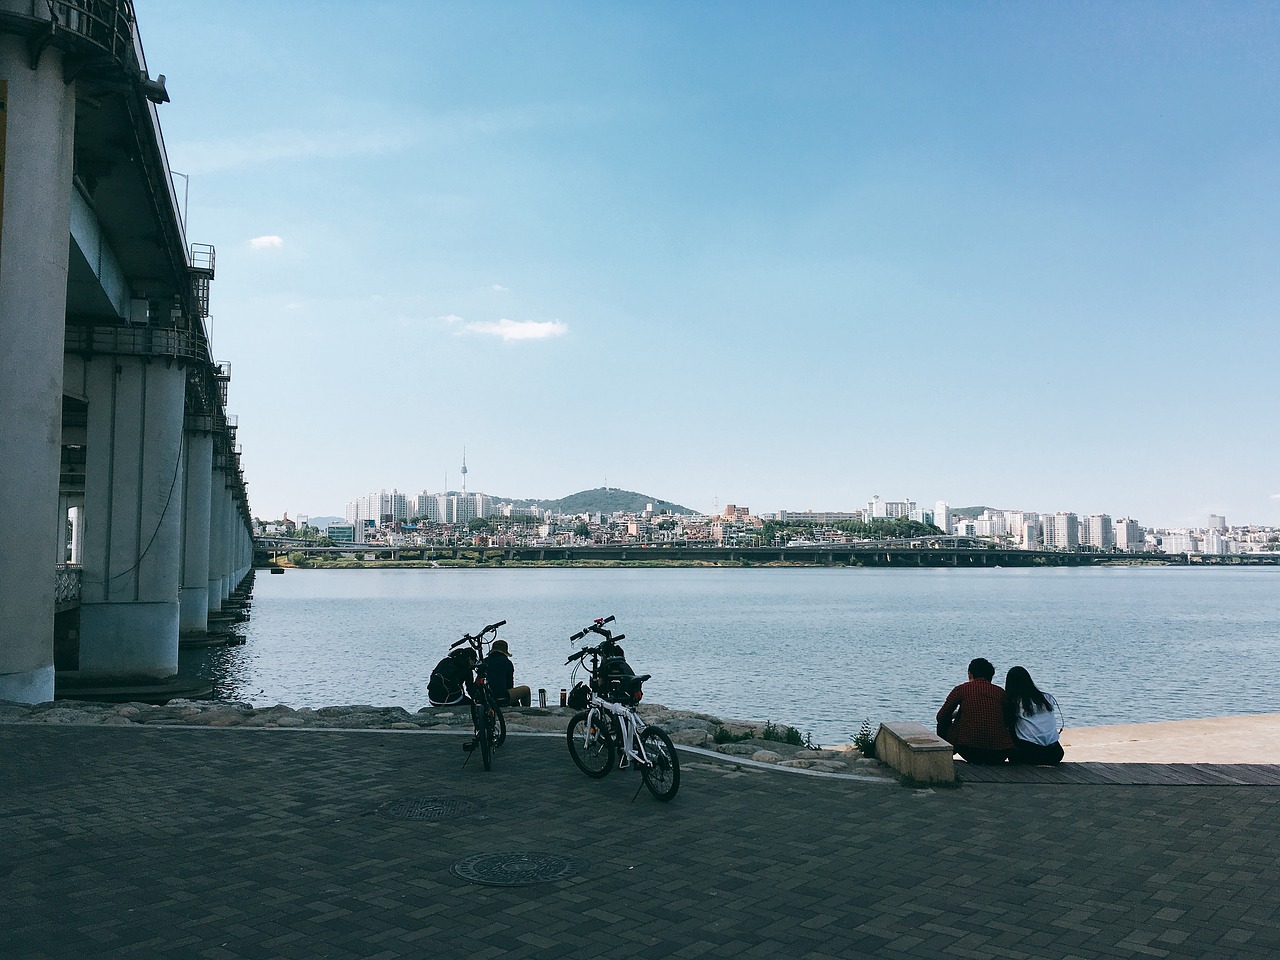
784 255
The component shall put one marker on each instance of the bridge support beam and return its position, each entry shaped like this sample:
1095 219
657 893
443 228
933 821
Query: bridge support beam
36 130
193 596
129 611
218 501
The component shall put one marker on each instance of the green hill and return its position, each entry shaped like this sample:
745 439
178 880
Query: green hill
969 513
607 500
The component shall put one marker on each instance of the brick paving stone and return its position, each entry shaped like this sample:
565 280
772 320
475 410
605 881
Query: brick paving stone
213 843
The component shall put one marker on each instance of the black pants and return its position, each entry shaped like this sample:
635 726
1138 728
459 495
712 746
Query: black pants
982 755
1036 754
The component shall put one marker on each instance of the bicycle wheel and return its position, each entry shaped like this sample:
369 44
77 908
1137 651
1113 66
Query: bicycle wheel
484 733
590 746
499 726
663 777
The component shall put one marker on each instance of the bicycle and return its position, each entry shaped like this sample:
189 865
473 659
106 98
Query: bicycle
486 713
611 728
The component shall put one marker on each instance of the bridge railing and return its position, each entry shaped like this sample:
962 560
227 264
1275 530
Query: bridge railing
108 26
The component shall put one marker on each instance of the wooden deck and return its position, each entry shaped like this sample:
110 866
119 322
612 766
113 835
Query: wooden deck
1126 774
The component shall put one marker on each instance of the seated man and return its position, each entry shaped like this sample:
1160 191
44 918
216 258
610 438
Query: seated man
972 719
448 683
501 676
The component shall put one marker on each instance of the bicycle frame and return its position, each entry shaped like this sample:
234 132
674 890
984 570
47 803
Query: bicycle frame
484 708
609 723
629 722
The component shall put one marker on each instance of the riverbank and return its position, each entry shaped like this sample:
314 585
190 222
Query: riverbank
744 741
1245 739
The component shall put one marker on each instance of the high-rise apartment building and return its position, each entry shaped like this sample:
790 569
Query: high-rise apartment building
889 509
1217 522
1129 536
1097 531
1061 531
942 516
378 507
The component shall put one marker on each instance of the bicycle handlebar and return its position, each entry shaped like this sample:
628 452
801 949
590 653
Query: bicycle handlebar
597 650
596 627
468 638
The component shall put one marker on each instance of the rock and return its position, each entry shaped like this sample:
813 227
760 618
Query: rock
766 756
291 722
59 716
736 749
690 738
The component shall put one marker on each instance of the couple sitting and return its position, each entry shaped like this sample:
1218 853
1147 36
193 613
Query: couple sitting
453 676
989 725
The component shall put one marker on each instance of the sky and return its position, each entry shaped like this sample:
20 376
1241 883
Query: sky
782 255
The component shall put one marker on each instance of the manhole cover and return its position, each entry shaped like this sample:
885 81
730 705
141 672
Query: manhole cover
429 808
516 869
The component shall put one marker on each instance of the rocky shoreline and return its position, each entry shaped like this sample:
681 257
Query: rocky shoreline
690 729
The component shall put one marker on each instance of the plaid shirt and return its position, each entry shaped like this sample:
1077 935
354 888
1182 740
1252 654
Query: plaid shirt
980 722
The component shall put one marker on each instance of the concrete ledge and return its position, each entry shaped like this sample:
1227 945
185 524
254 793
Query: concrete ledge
915 751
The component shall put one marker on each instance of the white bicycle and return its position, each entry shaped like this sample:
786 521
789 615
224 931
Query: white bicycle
610 728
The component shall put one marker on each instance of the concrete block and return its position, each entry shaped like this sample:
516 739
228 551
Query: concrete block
916 752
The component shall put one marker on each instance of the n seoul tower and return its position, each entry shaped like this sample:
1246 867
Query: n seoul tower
464 471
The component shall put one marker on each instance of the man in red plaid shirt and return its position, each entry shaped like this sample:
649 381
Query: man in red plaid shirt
972 719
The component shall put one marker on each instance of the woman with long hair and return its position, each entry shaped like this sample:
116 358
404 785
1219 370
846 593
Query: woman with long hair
1032 718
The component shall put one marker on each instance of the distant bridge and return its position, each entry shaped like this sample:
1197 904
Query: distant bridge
896 553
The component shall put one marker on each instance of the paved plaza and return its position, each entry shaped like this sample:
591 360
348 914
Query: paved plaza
227 844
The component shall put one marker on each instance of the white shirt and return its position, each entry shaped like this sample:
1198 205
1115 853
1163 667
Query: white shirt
1040 727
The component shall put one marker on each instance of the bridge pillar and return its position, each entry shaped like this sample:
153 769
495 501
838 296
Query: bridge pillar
37 121
217 538
133 524
193 597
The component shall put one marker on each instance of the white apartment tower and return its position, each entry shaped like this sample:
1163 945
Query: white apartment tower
942 516
1129 536
1097 532
889 509
1061 531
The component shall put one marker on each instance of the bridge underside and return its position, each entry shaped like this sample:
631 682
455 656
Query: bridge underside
129 515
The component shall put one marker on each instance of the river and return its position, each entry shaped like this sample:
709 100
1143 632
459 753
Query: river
820 649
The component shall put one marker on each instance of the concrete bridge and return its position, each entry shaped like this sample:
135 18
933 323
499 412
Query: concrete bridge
126 521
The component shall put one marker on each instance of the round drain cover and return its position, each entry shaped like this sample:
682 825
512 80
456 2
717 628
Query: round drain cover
430 808
516 869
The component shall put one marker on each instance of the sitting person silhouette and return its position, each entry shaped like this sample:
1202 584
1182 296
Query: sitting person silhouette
972 718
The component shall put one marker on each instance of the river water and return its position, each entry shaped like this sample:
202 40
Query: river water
820 649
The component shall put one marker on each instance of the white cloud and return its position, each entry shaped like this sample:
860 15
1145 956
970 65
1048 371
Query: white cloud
1275 496
513 329
499 288
266 243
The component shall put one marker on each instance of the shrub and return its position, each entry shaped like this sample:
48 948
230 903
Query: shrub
865 741
787 735
728 736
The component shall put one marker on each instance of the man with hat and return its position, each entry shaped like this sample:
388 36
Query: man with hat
501 676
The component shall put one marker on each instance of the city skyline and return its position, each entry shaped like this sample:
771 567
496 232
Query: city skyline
410 508
1001 255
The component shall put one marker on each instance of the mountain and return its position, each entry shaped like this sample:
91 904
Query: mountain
606 500
969 513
